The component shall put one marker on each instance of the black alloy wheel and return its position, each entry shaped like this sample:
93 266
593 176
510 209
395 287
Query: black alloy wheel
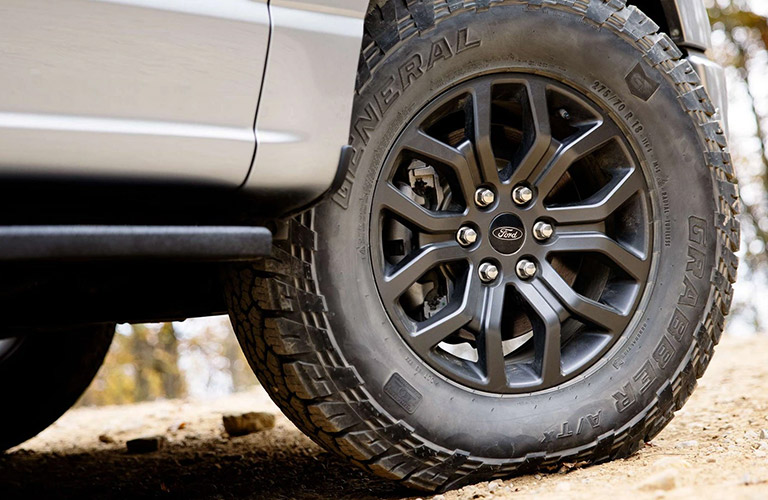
529 261
526 178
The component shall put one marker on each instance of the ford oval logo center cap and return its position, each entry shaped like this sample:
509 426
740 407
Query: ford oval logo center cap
507 233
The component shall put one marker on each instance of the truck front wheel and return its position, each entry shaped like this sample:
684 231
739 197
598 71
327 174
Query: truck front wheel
529 261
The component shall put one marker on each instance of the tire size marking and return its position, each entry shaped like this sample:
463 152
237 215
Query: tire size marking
625 112
618 105
389 90
679 326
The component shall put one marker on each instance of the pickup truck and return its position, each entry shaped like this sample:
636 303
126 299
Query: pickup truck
457 239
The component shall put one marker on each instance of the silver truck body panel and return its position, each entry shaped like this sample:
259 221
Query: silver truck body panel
694 23
307 97
184 90
138 89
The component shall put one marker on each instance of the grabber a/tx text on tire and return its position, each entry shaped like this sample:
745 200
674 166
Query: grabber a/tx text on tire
530 259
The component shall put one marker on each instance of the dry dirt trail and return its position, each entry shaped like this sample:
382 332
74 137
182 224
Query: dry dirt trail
717 447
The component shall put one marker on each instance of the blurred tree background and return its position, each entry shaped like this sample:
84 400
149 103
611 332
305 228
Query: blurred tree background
198 358
201 357
740 38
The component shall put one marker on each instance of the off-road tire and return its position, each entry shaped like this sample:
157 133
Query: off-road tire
315 332
44 374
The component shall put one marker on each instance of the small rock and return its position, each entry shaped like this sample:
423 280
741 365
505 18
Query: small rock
177 426
106 438
145 444
663 481
438 497
494 485
763 433
240 425
687 444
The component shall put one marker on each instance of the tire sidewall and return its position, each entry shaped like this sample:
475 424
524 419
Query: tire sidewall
641 364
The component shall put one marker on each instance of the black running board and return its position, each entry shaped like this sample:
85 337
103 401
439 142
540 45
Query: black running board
206 243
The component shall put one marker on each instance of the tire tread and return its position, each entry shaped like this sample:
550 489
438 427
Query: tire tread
284 330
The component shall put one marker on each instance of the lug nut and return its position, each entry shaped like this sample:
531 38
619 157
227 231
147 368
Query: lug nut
525 269
466 236
488 272
484 197
522 195
543 230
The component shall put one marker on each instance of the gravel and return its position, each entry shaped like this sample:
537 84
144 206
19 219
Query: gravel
727 418
145 444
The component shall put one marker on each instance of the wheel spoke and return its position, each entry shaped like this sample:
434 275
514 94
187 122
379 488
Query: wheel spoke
594 137
439 327
481 130
470 179
416 265
394 200
584 308
543 147
459 160
491 351
608 201
546 332
429 248
635 266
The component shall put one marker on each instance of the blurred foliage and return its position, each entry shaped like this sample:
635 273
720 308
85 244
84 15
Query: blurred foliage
170 360
743 48
740 38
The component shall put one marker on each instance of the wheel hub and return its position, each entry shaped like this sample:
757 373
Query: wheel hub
472 175
507 233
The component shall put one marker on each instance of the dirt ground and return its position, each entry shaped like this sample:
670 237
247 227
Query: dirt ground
716 447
